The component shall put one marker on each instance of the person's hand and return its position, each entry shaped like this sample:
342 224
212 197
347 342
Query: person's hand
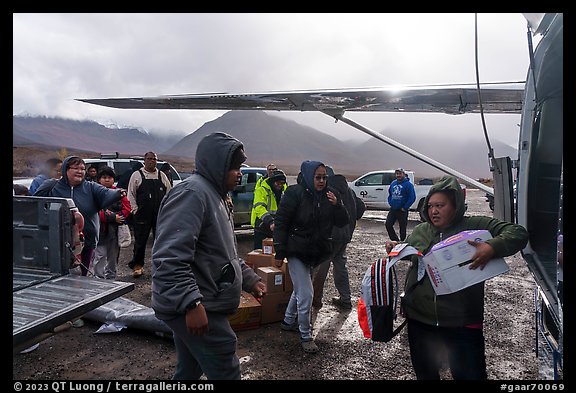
119 219
123 192
197 321
390 245
272 226
332 198
259 289
484 253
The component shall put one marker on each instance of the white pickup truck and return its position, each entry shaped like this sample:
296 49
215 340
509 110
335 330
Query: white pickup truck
372 188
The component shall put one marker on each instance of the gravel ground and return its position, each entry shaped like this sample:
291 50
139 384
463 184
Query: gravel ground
268 353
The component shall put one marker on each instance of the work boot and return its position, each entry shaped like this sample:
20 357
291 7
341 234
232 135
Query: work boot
309 346
137 271
341 303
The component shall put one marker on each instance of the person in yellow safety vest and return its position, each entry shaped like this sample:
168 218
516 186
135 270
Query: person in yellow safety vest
266 200
269 169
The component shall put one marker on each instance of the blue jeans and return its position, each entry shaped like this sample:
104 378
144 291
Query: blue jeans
300 304
463 347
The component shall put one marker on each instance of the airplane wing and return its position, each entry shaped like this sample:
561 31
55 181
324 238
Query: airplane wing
498 97
450 99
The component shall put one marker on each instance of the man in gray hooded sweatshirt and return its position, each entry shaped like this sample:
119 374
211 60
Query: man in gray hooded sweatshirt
197 274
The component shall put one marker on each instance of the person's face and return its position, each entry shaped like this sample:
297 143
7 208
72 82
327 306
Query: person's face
233 179
440 210
279 184
106 181
320 178
270 169
399 175
150 162
75 173
92 172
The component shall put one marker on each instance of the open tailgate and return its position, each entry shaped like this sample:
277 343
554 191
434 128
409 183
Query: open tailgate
45 295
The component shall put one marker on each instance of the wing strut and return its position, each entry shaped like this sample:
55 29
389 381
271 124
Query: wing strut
340 116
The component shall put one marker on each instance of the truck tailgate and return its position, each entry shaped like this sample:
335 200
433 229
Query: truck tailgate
40 308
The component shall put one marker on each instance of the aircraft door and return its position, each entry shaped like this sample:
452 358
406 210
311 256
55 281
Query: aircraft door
504 198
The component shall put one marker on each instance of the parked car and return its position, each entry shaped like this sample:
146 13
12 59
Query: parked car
243 195
372 188
122 165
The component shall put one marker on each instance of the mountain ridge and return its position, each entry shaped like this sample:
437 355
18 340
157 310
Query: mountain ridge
267 138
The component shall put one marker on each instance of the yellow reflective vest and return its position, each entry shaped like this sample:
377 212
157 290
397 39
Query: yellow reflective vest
264 205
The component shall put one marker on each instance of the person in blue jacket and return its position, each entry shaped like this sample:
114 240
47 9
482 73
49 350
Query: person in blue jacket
401 196
89 197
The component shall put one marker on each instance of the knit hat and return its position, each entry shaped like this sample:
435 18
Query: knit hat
278 175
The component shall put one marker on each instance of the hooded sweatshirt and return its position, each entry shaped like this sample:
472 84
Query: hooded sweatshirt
401 195
465 307
194 256
305 218
89 197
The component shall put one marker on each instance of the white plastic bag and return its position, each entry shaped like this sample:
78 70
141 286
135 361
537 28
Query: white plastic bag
124 236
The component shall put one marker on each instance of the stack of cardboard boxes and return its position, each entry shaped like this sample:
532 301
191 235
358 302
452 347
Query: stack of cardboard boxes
270 308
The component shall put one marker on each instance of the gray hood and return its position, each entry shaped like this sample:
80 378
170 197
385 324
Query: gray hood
213 160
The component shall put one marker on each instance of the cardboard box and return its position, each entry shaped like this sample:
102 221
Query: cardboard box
448 262
256 259
268 246
273 306
248 315
288 286
272 277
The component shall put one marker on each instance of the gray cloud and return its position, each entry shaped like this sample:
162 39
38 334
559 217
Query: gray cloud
60 57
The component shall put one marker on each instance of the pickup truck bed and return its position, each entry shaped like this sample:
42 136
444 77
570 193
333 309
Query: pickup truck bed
45 295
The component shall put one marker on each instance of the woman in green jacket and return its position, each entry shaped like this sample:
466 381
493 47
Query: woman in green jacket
451 323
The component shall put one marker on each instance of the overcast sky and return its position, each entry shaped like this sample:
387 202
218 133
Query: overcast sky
60 57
